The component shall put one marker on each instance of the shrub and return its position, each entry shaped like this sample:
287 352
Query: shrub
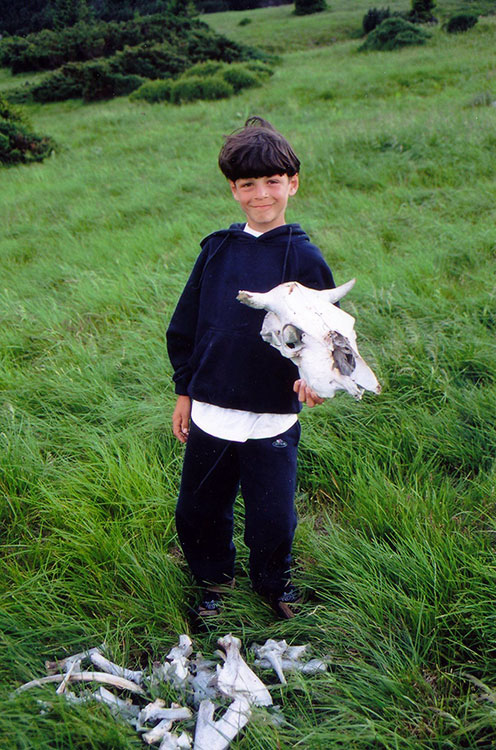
215 87
91 81
48 49
461 22
153 92
421 11
305 7
244 21
240 77
392 33
17 143
186 90
208 68
373 17
100 82
155 61
189 89
65 83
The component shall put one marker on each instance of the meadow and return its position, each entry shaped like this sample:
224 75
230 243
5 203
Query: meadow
396 492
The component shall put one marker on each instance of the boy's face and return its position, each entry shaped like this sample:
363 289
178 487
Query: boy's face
264 199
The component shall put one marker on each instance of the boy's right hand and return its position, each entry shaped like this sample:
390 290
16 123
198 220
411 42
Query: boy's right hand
180 418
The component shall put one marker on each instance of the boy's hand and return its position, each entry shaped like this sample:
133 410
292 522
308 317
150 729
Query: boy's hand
306 395
180 418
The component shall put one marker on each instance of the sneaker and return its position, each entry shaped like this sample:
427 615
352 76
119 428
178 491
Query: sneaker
286 605
207 611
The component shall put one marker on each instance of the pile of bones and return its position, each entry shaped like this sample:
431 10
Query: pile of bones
204 685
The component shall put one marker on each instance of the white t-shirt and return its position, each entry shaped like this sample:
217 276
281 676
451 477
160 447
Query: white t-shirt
235 424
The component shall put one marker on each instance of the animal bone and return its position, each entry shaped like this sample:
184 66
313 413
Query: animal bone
158 732
172 742
281 657
184 649
216 735
305 326
107 666
123 708
235 679
157 710
53 667
175 669
271 653
61 688
107 679
202 679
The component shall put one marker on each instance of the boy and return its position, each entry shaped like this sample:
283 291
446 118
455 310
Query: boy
238 398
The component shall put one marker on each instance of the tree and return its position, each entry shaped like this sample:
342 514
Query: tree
68 12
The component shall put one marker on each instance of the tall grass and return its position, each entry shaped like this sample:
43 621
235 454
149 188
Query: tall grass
396 493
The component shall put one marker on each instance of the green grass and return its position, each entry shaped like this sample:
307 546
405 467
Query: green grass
396 493
278 30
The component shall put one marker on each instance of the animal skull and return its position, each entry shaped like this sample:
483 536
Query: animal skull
306 326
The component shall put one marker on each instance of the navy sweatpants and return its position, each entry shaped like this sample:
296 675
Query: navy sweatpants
213 470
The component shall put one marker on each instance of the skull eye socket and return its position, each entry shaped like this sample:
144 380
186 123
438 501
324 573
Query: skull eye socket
291 337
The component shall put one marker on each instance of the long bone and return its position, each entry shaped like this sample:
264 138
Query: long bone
235 678
108 666
106 679
217 735
157 711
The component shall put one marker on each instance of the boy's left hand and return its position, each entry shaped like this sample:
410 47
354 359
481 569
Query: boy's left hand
305 394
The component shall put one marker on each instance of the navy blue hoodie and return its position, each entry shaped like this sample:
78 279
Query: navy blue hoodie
214 341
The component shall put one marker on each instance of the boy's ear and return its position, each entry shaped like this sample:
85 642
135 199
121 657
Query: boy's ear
294 183
233 189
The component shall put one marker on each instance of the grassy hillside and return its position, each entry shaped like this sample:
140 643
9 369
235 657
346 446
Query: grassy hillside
396 493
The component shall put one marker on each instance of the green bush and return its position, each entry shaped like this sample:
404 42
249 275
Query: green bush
421 11
203 69
461 22
91 81
305 7
215 87
153 92
244 21
155 61
189 89
17 143
100 82
48 49
373 17
65 83
392 33
186 89
240 77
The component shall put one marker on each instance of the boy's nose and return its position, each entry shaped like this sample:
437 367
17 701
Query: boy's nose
261 190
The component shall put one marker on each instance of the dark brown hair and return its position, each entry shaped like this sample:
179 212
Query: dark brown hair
257 150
